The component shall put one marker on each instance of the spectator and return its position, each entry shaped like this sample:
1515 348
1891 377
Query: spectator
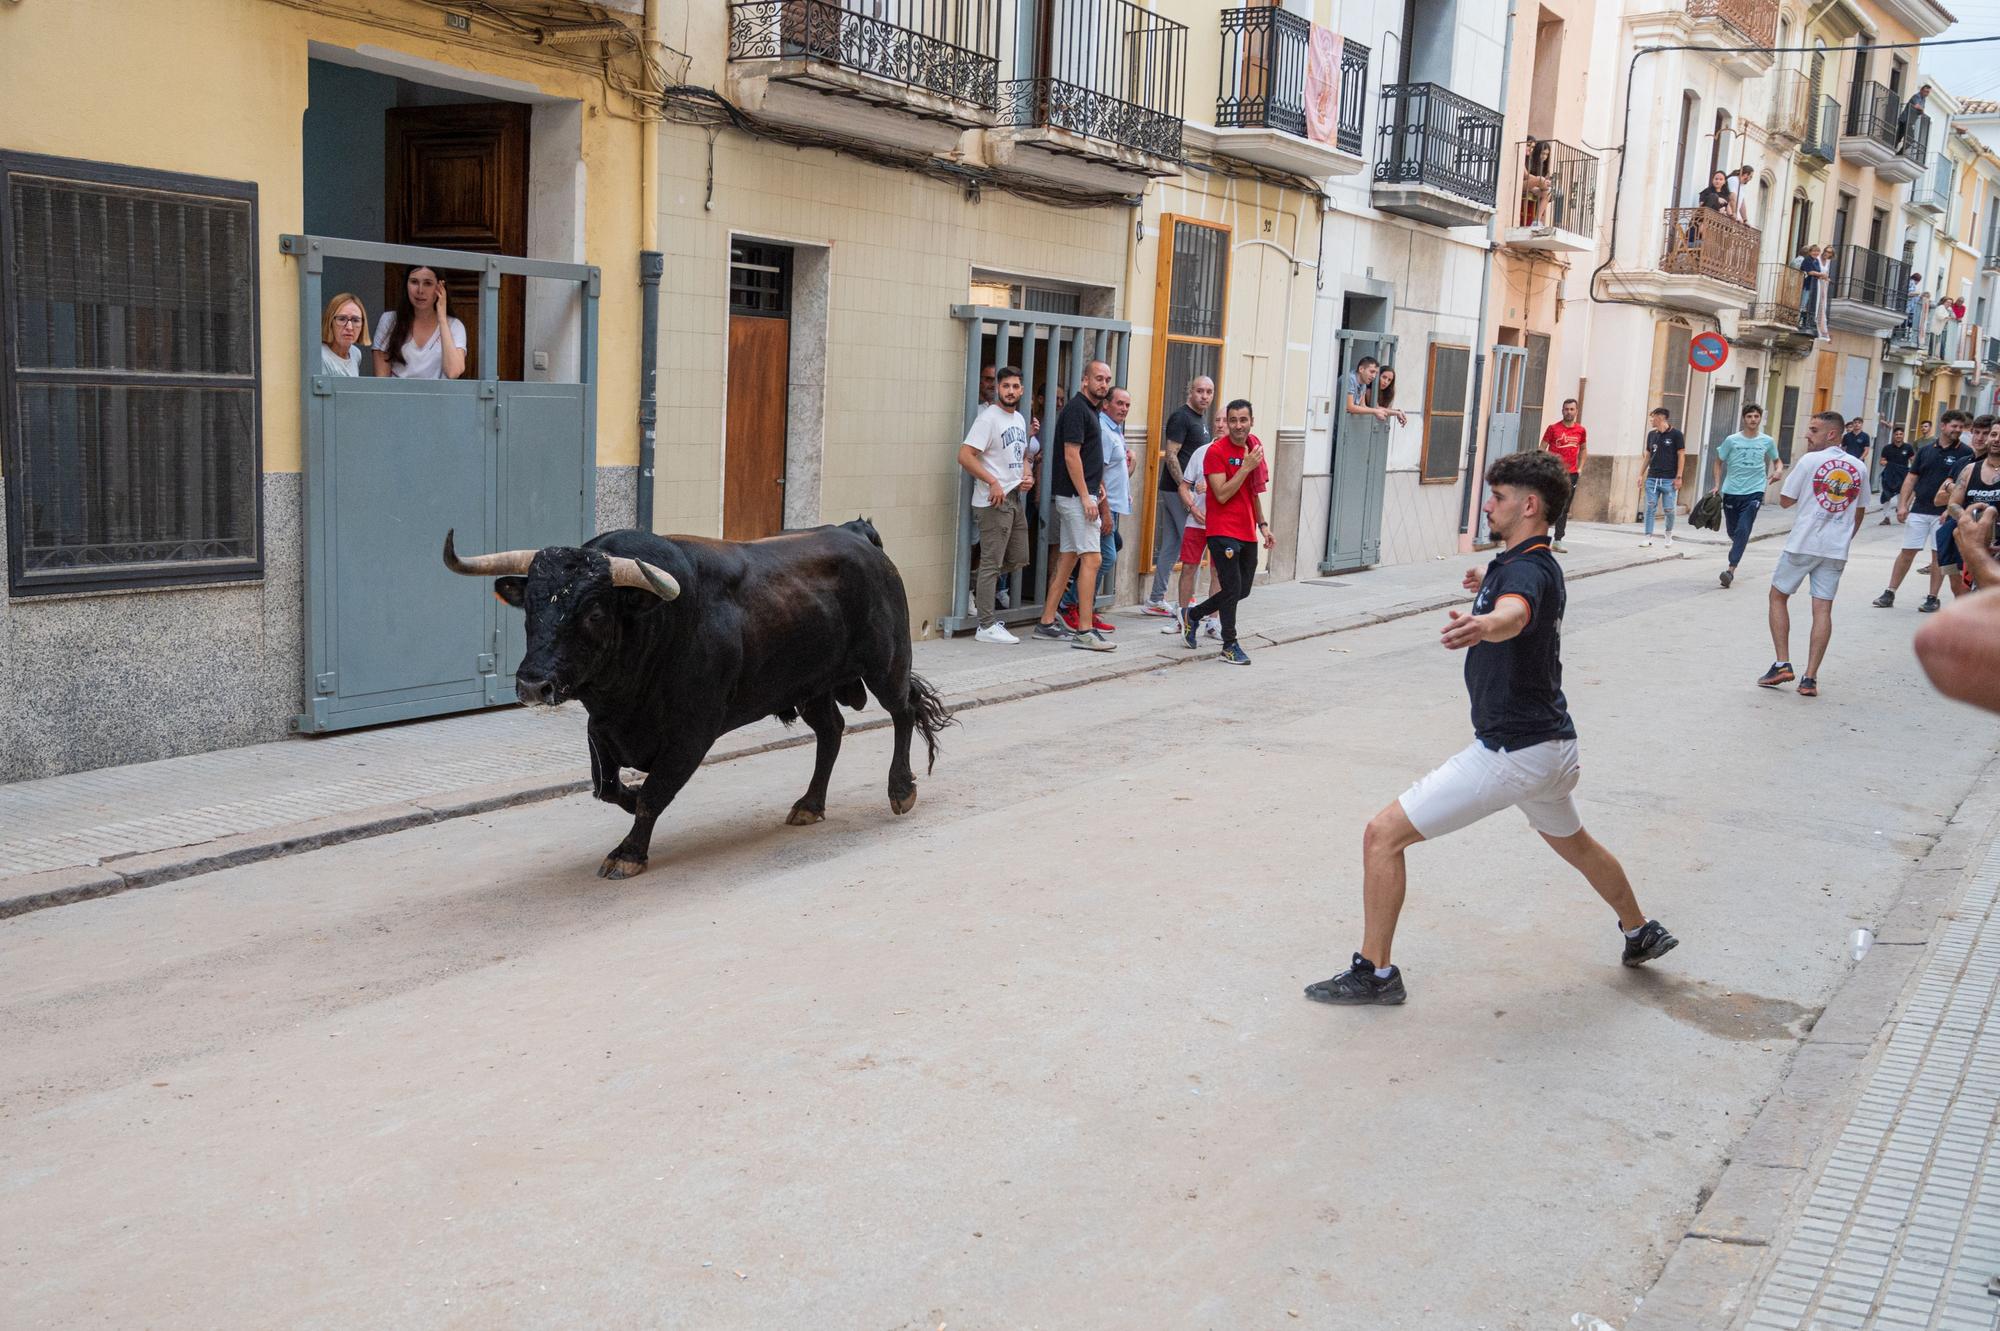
1078 489
1913 306
1913 110
1716 196
1978 484
1187 431
1568 441
419 339
1739 193
1118 502
1536 169
1354 393
987 383
993 453
1920 505
1385 394
1832 486
1236 475
1664 446
346 322
1194 550
1856 440
1959 647
1746 463
1895 462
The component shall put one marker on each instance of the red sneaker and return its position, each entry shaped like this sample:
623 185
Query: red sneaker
1067 613
1102 625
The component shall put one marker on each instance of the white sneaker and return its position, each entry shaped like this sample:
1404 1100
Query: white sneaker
1211 627
995 633
1670 541
1648 541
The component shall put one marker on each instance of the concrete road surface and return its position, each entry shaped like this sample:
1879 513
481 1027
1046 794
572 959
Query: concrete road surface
1033 1056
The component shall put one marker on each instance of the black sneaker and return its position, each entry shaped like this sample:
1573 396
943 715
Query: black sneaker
1930 606
1053 632
1357 985
1189 629
1886 601
1726 577
1650 942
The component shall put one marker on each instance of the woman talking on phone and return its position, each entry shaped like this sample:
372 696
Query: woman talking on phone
419 339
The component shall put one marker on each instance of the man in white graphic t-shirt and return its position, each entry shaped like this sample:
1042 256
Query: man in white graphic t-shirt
1828 486
992 455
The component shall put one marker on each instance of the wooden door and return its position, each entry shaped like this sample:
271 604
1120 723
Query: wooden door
457 178
753 475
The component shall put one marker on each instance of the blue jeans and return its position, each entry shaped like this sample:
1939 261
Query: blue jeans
1666 492
1107 573
1739 515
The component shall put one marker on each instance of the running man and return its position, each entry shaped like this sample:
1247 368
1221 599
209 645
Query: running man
1746 464
1829 487
1525 753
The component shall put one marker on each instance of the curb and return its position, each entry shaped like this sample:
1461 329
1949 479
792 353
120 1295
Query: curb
22 893
1719 1263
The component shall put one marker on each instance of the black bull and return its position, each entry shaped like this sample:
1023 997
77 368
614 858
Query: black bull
671 642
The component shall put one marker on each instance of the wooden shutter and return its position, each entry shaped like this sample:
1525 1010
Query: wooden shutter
1444 410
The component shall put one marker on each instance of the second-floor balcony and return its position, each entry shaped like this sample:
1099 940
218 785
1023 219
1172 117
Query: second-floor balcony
1867 290
1708 261
1818 148
1288 102
1791 108
1932 194
913 73
1883 133
1555 198
1739 31
1096 97
1437 156
1778 316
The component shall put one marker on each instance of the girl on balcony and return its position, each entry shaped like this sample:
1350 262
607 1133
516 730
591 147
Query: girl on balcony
1535 173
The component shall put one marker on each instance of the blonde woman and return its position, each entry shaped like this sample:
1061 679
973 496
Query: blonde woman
419 339
345 324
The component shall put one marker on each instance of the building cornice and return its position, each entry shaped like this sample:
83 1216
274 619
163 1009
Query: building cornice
1924 18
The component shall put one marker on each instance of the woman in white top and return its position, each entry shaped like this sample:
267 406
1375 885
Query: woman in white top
420 340
345 323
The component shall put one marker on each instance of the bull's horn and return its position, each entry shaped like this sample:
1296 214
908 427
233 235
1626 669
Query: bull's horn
638 573
486 566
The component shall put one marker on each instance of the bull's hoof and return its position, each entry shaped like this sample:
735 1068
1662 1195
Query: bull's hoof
801 816
620 866
904 803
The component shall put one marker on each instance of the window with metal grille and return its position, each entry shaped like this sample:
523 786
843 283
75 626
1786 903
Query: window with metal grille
1444 410
128 376
1535 390
760 279
1189 318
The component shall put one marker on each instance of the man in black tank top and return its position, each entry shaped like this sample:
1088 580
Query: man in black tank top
1979 483
1524 755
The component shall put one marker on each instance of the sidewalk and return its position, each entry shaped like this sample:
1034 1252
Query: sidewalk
90 834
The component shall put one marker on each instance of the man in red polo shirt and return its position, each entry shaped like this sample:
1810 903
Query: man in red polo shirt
1234 471
1568 441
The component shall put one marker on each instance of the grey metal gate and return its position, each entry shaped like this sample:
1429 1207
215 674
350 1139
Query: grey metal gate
1360 467
391 464
1050 349
1503 426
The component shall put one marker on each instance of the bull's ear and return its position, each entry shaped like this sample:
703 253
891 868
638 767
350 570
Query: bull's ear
512 590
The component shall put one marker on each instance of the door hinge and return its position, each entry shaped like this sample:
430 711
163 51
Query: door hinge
320 387
485 665
323 684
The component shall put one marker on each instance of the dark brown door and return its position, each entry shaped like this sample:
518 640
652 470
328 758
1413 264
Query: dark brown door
753 481
457 179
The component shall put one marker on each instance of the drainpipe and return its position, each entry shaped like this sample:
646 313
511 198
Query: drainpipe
1474 449
652 263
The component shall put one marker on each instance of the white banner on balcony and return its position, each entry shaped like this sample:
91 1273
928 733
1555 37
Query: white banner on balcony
1322 85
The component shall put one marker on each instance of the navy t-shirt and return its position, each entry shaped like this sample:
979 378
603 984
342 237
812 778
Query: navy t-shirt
1078 425
1516 685
1936 463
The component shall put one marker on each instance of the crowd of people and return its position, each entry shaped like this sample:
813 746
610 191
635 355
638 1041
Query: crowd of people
419 339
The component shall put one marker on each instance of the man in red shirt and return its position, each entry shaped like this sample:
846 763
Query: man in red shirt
1234 471
1568 441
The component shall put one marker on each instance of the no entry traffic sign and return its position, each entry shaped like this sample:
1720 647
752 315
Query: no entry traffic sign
1707 352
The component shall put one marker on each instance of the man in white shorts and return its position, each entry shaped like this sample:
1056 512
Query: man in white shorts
1827 486
1920 507
1525 753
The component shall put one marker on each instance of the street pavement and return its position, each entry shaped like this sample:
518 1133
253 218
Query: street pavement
1033 1055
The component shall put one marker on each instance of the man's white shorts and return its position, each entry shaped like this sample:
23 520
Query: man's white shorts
1794 569
1075 533
1477 781
1920 532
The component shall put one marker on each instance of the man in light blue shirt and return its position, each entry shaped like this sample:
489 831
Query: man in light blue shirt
1117 503
1746 464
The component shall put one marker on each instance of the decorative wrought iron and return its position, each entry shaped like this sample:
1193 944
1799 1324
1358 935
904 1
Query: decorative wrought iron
1866 277
1429 135
1780 296
1756 20
1701 242
946 47
1265 51
1353 96
1558 187
1105 69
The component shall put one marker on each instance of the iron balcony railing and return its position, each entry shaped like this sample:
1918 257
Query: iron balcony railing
946 47
1869 278
1701 242
1558 187
1791 105
1429 135
1105 69
1823 134
1266 61
1879 113
1933 192
1907 337
1755 20
1990 356
1917 141
1780 296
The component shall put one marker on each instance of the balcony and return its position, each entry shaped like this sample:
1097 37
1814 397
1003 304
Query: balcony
1906 342
1777 317
1932 194
1721 25
1867 290
1990 261
1990 356
1284 104
1096 98
1874 136
1791 108
823 64
1708 263
1555 193
1816 152
1437 156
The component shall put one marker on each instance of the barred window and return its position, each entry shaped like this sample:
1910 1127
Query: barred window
128 382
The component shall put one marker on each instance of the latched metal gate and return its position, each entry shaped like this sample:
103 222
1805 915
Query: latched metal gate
1503 426
1360 463
391 464
1050 350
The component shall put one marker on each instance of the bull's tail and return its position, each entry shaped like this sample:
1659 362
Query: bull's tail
932 716
864 528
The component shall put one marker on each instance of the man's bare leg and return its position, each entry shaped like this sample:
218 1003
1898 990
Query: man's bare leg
1059 572
1383 879
1822 634
1781 626
1604 873
1904 558
1086 589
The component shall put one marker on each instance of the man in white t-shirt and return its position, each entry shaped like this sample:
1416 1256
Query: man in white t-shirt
992 454
1194 541
1829 487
